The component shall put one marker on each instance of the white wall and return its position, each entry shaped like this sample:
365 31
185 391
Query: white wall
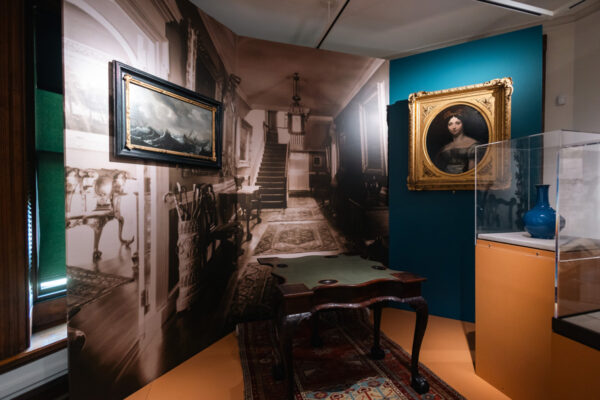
298 171
586 113
560 76
283 135
256 118
572 65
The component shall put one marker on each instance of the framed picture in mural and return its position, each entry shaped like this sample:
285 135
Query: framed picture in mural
243 139
373 132
157 120
446 126
317 161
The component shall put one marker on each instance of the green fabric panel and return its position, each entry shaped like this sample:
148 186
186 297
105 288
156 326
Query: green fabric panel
49 122
346 270
51 215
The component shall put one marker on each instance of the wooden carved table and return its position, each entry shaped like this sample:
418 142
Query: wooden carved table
245 196
315 283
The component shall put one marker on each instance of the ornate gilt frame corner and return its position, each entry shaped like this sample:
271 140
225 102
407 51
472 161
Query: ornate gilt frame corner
491 99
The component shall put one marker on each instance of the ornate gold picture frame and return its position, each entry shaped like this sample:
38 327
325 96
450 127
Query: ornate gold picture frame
445 128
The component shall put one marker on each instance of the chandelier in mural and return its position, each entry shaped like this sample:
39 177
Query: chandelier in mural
297 115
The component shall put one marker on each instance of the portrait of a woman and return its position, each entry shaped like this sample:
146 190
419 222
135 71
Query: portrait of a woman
453 136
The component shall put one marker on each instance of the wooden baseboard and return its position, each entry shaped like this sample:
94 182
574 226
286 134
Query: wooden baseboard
49 313
43 344
57 389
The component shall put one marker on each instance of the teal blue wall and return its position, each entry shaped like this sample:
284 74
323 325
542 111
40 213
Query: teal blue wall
432 232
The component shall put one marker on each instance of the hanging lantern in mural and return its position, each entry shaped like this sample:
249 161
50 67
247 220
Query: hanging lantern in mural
297 115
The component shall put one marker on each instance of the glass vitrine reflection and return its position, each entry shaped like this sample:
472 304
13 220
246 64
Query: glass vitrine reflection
577 311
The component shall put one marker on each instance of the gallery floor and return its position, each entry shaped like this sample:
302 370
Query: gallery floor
216 373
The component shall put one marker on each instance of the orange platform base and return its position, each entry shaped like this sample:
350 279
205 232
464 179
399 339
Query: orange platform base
516 350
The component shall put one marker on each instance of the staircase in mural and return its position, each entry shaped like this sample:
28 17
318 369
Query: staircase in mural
272 174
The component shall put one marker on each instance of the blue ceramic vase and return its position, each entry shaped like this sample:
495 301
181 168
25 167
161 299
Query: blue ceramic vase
540 221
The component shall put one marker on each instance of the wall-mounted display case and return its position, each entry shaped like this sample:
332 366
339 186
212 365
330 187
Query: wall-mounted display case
543 192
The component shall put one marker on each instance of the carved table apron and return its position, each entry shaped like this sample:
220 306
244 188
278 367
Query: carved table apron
315 283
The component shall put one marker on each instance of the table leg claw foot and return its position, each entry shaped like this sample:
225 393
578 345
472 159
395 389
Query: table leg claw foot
316 341
420 384
377 353
277 371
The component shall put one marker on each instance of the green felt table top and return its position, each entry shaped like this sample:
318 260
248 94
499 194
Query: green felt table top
313 271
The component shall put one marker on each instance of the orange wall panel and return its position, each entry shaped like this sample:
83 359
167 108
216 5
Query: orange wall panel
575 369
514 303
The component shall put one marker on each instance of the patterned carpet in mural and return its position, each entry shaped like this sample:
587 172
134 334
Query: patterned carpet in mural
302 202
296 238
85 286
254 294
340 370
293 214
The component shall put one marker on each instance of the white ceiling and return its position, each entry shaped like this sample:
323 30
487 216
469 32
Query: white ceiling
327 79
382 28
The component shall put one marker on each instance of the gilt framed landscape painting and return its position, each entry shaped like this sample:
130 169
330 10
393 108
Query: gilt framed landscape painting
157 120
447 129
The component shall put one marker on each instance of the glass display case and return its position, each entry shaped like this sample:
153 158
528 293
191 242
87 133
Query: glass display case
543 191
577 311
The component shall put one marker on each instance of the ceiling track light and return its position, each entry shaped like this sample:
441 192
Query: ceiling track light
332 24
572 6
518 6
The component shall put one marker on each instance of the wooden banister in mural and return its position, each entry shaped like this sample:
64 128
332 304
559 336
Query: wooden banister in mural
286 180
265 132
296 142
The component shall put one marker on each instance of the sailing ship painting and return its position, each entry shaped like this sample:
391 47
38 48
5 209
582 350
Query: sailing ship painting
161 121
165 122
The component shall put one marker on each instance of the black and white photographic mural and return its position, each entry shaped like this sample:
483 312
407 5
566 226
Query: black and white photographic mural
162 255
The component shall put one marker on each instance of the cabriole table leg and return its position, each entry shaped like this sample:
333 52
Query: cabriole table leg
418 382
376 352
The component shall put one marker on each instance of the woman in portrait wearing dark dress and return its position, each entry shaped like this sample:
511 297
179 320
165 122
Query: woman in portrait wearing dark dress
458 156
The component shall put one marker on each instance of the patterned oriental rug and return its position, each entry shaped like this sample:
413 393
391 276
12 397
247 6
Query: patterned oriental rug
254 295
293 214
296 238
340 370
85 286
